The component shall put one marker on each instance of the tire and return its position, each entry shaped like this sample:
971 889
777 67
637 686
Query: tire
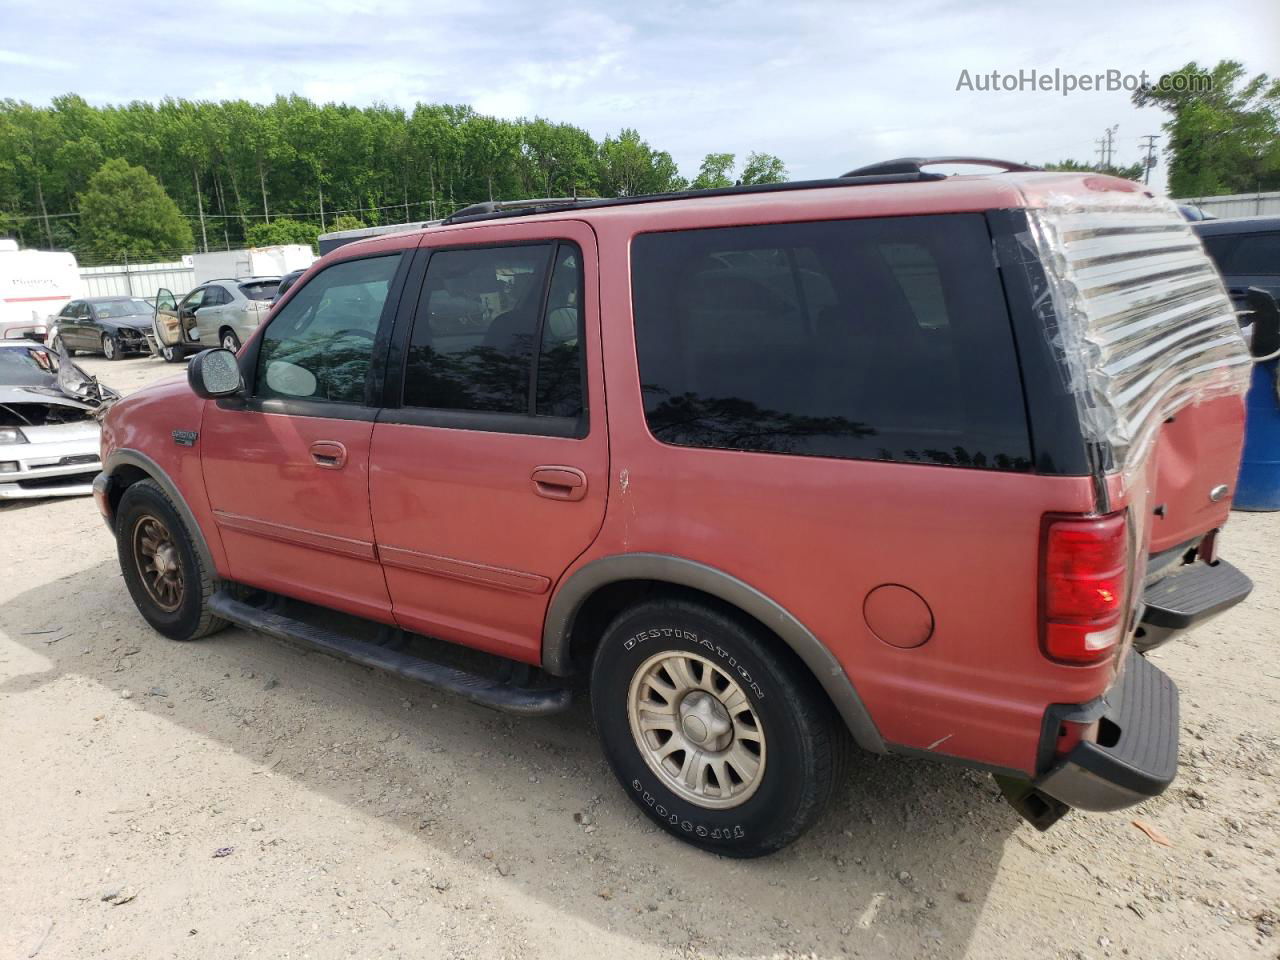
58 345
171 354
798 744
111 348
180 615
229 341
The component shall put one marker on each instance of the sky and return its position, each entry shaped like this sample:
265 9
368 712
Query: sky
824 84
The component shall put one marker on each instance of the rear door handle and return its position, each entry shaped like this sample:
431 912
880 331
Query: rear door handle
329 454
560 483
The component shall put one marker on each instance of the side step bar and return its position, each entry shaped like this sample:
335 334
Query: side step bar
482 690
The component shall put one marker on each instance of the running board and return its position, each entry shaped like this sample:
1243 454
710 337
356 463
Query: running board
487 692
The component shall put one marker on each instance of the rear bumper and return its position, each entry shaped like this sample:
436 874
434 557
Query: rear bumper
1136 756
1187 596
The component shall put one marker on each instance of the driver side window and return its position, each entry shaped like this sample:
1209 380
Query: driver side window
320 345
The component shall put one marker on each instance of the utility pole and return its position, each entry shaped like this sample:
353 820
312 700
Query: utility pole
1151 156
320 191
1102 153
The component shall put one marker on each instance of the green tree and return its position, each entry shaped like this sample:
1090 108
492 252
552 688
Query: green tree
763 168
629 167
282 230
344 222
124 212
230 165
1131 172
1225 139
716 171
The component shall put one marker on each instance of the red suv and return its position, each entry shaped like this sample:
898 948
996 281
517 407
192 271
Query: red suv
922 462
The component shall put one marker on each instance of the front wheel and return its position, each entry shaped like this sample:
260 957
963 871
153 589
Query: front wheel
719 736
171 354
165 576
110 348
230 341
58 345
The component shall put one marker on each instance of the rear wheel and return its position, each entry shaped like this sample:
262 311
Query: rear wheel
719 737
230 341
111 347
168 582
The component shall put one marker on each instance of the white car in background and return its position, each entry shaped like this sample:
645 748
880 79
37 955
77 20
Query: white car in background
50 412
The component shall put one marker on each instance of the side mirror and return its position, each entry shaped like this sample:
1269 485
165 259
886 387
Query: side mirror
214 373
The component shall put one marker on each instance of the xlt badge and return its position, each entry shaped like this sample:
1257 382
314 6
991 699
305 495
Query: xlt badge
185 438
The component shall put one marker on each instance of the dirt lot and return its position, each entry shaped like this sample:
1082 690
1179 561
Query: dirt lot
369 817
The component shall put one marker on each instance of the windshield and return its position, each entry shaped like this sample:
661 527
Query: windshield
27 367
260 289
121 308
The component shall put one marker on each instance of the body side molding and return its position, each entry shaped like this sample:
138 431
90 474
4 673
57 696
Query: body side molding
123 456
569 598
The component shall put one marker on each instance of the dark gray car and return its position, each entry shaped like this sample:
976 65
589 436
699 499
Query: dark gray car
113 326
1246 251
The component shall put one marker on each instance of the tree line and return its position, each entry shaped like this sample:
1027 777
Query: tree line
244 173
236 168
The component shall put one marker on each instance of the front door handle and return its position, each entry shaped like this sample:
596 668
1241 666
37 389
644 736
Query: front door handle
329 454
560 483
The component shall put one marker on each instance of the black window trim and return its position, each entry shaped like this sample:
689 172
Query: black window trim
331 409
521 424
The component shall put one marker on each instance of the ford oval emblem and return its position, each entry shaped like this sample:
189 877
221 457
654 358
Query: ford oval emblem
1218 492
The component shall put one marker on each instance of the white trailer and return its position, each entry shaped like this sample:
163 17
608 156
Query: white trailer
34 285
254 262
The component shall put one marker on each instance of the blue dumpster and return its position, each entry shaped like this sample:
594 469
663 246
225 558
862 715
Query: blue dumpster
1259 485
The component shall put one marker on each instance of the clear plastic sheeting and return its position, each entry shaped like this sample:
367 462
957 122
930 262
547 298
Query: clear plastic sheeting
1144 325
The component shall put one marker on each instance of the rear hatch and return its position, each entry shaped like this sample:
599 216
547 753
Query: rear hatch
1153 350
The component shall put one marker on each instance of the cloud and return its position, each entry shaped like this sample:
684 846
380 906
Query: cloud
825 84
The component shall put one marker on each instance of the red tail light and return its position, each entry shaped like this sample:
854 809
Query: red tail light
1084 573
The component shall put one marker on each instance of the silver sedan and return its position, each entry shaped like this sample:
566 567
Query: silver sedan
49 423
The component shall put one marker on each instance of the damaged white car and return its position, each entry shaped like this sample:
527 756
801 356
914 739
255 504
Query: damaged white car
50 412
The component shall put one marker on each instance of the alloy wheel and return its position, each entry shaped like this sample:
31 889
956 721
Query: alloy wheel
159 564
696 729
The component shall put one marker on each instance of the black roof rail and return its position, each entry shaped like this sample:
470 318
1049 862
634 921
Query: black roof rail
916 165
487 211
249 279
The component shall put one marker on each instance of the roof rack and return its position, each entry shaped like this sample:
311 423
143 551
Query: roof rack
517 208
916 165
495 206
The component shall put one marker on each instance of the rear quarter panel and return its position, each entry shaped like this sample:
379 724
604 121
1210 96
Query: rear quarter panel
817 536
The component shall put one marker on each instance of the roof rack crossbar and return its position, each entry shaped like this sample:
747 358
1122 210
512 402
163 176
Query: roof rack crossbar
917 165
490 210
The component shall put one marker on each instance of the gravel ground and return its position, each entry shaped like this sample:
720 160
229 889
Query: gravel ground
237 797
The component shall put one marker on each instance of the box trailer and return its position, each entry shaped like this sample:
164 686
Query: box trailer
34 285
273 261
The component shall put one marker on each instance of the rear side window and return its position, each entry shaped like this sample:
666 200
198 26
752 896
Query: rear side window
1245 253
881 339
498 330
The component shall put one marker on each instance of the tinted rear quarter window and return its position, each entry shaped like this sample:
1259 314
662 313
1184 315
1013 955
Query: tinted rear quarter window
1245 253
260 290
875 339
